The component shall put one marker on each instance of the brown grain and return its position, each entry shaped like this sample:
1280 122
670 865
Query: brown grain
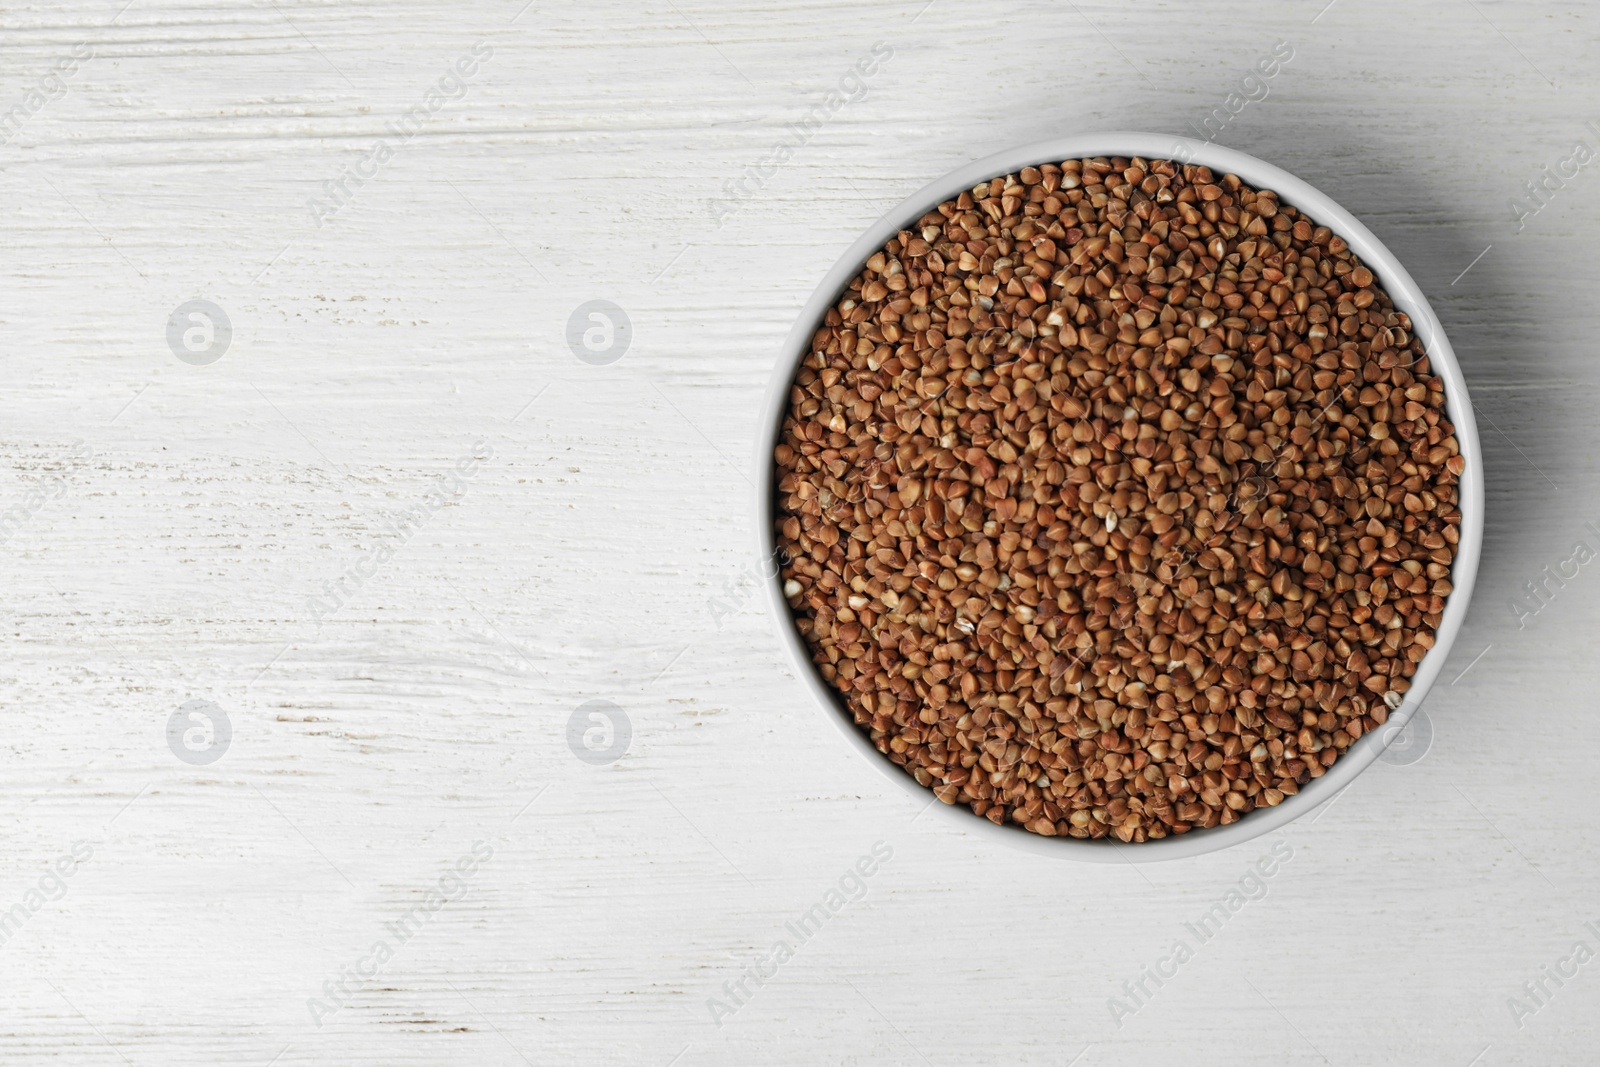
1118 499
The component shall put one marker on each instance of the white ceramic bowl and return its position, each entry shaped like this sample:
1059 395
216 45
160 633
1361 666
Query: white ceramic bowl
1395 281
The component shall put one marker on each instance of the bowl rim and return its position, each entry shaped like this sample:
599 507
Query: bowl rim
1407 297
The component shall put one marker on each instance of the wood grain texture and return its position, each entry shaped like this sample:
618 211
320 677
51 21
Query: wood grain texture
602 552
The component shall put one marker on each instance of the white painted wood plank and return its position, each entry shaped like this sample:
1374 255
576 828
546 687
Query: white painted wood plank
595 554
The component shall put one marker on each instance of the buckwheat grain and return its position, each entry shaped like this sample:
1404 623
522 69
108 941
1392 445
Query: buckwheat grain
1118 499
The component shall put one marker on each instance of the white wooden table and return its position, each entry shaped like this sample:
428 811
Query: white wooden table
269 529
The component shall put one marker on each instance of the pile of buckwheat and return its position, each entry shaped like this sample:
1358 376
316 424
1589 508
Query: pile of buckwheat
1117 499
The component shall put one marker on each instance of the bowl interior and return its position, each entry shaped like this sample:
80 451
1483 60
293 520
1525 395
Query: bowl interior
1407 297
